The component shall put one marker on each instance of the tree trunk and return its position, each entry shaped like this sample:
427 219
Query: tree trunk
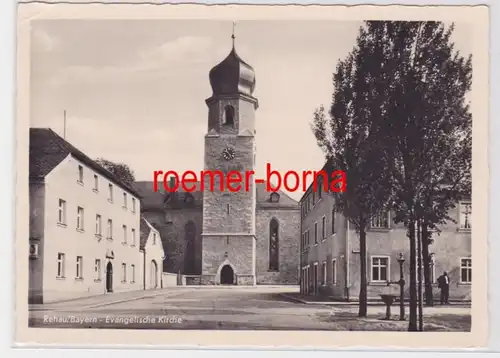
363 295
426 258
412 322
419 277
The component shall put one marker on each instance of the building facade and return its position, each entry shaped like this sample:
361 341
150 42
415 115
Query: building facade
217 236
152 256
84 224
330 260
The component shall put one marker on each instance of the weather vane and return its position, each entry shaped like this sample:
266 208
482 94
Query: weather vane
232 36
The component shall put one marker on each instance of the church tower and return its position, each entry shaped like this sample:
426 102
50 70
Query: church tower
229 238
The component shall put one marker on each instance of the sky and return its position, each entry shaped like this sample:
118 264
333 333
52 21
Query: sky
134 90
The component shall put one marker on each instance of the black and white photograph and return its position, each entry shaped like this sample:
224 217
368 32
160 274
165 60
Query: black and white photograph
254 174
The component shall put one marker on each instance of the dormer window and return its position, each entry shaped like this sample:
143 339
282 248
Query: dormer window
228 116
274 198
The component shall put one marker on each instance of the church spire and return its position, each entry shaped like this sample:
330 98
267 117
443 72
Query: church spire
232 36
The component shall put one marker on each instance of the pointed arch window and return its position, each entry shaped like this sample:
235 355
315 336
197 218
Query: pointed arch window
274 245
228 119
190 247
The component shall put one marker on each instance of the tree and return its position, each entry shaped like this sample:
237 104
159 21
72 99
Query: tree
399 106
352 138
120 170
430 125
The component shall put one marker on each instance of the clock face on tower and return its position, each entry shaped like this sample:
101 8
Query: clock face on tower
228 153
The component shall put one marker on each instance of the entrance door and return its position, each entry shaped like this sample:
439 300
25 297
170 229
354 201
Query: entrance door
154 274
227 275
109 277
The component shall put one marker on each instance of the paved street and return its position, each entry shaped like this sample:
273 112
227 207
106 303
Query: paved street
256 308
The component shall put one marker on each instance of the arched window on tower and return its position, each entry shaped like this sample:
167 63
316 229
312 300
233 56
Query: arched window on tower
190 247
274 245
228 116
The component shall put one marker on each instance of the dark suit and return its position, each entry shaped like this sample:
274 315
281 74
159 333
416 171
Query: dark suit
444 285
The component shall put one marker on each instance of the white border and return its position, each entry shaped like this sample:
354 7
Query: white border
7 155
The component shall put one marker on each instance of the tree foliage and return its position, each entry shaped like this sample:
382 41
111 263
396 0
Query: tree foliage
120 170
399 107
352 135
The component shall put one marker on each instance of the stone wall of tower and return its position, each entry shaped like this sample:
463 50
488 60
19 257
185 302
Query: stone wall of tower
237 251
241 215
244 115
229 215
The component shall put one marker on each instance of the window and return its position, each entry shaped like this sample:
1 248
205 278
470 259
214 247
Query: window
274 245
334 230
98 225
96 182
80 174
320 188
133 205
124 272
124 234
274 198
110 229
62 212
154 238
79 218
97 269
315 232
132 268
334 271
307 238
380 221
380 266
125 200
79 267
313 197
465 216
190 267
60 265
323 273
110 192
133 237
323 228
228 116
466 270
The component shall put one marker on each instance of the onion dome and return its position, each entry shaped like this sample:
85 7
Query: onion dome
232 76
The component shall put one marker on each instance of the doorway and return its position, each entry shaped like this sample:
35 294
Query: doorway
154 274
227 275
109 277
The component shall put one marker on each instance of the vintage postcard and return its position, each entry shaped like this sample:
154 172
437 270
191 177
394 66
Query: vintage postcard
255 176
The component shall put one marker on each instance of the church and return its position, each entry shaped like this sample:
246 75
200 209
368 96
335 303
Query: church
218 237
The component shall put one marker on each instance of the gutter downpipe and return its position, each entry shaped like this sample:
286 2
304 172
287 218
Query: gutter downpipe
347 263
144 270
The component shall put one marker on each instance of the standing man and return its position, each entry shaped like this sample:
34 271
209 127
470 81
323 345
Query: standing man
444 285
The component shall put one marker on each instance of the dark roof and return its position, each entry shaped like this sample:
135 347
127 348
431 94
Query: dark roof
232 75
328 169
145 228
48 150
161 199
